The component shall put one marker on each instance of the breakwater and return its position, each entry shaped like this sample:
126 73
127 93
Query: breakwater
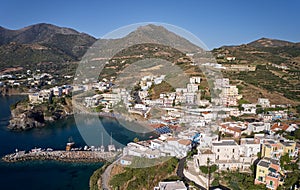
60 155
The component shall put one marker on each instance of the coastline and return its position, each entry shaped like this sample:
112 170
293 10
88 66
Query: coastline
95 181
65 159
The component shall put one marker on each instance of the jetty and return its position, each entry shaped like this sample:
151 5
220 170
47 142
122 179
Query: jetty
61 155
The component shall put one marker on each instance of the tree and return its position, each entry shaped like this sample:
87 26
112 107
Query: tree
252 168
208 170
285 160
259 155
297 134
136 140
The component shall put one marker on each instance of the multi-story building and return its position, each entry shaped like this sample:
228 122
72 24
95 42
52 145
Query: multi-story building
273 149
192 87
226 150
195 80
268 172
249 147
220 83
230 90
263 102
234 131
256 127
270 149
225 154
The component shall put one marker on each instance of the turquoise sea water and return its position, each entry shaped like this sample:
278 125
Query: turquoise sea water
50 175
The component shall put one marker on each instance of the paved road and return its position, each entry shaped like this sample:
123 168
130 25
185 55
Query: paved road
179 173
180 168
106 175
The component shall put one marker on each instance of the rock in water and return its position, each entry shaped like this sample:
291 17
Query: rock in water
26 120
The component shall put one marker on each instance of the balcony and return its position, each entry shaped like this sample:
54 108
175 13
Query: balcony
270 186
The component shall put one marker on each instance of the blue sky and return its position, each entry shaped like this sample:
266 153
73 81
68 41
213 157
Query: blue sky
216 23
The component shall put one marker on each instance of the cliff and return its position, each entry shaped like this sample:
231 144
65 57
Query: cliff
25 116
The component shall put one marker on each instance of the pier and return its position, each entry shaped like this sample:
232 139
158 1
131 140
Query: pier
61 155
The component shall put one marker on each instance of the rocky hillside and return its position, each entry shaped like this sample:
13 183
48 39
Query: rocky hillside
262 51
277 71
25 116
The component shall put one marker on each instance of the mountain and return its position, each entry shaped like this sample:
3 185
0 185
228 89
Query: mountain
159 34
37 33
149 41
262 51
41 43
277 62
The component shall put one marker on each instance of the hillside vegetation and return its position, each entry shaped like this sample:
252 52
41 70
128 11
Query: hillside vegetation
277 68
135 178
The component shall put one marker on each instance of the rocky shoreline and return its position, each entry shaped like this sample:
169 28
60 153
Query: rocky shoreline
25 116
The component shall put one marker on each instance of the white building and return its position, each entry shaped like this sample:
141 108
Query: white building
92 101
140 106
263 102
226 150
249 147
156 144
190 98
181 90
39 97
221 83
192 87
230 90
225 154
207 140
173 146
112 98
195 80
158 80
57 91
256 127
248 109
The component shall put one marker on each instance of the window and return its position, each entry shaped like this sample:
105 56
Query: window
233 150
218 150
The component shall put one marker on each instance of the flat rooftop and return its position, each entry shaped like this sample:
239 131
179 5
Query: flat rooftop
206 151
225 143
286 143
171 185
264 163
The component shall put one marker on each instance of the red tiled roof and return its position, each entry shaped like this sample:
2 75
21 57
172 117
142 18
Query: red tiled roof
235 129
157 125
277 127
184 142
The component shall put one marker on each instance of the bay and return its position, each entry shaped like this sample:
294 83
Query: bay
48 175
